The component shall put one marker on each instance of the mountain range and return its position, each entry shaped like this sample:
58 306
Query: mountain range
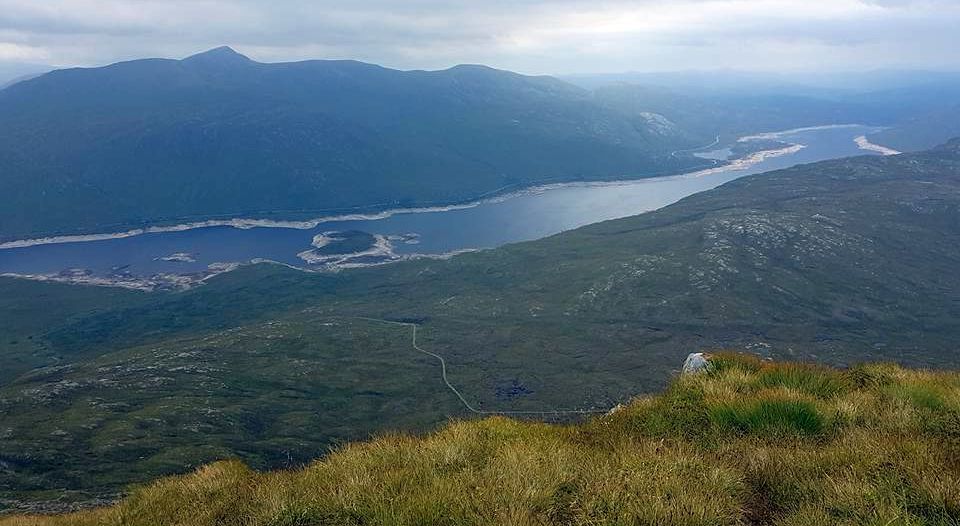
216 134
918 107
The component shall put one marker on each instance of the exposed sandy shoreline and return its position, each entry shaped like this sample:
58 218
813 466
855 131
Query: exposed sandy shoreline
185 281
152 283
240 223
780 134
864 144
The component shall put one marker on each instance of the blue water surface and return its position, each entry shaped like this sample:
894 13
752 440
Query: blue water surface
521 217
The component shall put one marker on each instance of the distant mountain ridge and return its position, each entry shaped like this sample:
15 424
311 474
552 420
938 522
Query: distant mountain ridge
11 73
923 131
218 134
920 107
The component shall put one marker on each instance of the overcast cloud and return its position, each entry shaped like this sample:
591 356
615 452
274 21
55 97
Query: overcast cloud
531 36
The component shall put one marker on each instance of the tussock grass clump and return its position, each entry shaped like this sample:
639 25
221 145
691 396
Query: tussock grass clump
749 442
765 417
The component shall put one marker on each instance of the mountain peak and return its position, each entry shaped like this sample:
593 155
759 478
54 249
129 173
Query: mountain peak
472 67
223 55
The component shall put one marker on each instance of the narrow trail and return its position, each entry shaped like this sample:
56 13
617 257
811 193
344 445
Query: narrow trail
468 405
698 148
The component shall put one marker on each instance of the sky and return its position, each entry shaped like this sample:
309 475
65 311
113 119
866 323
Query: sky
530 36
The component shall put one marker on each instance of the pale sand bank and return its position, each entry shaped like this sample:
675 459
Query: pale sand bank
864 144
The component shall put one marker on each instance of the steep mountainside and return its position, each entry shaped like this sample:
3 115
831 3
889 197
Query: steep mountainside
841 261
218 134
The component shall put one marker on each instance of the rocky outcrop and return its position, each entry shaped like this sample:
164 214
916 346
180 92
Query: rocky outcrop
696 363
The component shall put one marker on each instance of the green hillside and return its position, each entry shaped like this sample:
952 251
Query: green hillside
841 262
748 442
219 135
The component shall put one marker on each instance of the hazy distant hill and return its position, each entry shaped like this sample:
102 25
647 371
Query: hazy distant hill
11 73
731 114
921 104
922 131
840 261
926 115
218 134
731 82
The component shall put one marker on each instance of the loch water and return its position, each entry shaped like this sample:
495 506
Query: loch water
523 216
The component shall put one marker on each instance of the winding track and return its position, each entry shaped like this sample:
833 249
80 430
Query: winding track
470 407
698 148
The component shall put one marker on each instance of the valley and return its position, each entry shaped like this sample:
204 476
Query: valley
139 259
424 263
841 262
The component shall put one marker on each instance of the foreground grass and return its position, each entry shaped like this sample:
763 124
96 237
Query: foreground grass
750 442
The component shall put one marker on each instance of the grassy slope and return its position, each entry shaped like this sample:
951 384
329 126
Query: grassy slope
841 262
750 442
30 308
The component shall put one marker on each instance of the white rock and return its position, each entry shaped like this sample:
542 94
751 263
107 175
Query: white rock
696 363
615 409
